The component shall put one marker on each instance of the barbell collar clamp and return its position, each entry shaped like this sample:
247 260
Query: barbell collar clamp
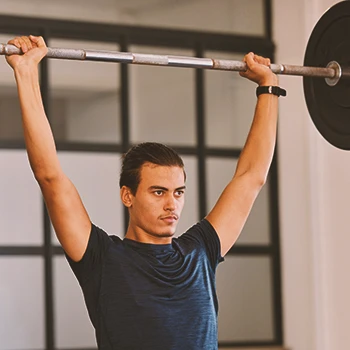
338 73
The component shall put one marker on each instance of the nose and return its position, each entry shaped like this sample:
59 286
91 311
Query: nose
170 204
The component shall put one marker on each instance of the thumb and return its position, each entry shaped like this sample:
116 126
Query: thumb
38 40
41 49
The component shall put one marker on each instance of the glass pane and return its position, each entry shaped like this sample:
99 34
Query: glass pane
21 210
245 299
72 324
229 105
190 213
78 10
85 96
22 303
162 107
96 176
10 112
257 228
230 16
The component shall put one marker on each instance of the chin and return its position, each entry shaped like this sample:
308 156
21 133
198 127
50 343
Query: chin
166 234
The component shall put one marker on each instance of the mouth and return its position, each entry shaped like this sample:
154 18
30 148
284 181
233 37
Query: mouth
170 218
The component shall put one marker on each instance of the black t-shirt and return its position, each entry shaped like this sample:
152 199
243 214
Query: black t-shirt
152 296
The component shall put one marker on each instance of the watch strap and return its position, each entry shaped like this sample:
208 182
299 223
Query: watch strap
273 90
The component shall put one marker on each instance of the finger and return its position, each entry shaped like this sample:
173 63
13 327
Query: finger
248 57
38 40
15 42
33 39
27 42
250 60
259 59
266 61
23 44
263 60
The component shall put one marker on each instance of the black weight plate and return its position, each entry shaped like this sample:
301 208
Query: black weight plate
329 106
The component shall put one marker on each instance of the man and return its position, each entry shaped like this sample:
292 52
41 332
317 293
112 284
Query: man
150 290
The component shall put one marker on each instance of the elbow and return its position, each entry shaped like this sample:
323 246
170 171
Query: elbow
256 179
261 180
45 178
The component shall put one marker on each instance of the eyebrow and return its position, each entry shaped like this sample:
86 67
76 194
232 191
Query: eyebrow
166 189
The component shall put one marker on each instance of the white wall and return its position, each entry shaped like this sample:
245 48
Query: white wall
314 186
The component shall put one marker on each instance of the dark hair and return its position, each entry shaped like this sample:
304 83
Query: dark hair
147 152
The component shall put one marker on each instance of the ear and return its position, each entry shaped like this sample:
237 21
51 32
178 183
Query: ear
126 196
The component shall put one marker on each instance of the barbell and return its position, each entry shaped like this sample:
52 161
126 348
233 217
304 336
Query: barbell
327 56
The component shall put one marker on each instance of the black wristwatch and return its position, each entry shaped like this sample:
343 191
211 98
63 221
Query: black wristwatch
274 90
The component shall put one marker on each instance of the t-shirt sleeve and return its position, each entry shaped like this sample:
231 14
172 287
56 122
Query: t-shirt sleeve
92 260
204 234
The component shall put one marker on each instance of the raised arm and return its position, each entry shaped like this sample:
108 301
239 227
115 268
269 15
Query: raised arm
233 207
66 210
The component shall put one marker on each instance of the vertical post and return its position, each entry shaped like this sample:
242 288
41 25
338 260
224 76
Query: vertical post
274 216
48 254
124 109
200 128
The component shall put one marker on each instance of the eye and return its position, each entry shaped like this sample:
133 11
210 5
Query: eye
158 193
179 193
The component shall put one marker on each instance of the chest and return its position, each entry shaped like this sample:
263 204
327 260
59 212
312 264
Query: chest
143 297
149 280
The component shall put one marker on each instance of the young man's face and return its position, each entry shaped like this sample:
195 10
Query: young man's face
156 207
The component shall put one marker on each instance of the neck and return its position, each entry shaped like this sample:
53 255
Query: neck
140 235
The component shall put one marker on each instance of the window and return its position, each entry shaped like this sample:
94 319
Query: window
97 111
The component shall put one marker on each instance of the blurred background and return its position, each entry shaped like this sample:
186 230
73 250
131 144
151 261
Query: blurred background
282 285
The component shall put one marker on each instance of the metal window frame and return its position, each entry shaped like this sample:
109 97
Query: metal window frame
127 35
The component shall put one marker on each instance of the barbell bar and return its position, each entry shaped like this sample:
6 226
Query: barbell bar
332 72
327 56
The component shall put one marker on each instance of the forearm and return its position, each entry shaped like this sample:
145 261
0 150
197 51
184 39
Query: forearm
37 132
258 151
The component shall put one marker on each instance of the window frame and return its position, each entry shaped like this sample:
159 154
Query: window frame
125 36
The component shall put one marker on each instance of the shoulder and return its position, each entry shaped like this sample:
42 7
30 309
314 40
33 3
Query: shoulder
98 244
199 235
98 247
202 237
100 236
202 230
